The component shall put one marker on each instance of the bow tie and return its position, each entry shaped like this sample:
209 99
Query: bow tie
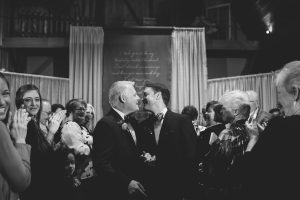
158 117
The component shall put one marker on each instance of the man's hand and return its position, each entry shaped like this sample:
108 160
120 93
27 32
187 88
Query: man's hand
136 187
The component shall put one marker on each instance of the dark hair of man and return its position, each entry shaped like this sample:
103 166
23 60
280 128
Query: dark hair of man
55 106
190 111
210 104
158 87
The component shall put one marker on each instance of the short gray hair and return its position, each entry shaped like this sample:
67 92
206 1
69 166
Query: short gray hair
116 90
289 76
234 99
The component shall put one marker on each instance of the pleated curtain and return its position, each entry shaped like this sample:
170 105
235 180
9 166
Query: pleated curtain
86 65
189 68
263 84
54 89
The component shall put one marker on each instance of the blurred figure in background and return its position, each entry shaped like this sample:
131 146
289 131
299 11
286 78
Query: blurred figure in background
89 117
57 107
192 113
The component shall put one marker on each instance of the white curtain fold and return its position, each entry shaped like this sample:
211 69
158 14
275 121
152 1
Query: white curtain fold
86 65
54 89
189 68
263 84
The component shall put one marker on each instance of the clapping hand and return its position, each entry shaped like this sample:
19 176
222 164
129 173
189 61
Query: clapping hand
19 125
55 121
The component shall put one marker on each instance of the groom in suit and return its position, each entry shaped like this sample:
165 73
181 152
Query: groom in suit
172 140
115 155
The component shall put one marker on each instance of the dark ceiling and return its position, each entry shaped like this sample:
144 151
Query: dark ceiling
278 47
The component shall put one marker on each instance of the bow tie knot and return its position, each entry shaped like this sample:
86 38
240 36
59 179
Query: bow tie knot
159 117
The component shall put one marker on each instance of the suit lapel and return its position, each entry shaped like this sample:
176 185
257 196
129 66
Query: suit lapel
164 128
123 133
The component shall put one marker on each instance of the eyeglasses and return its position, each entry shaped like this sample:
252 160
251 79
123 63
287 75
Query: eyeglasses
80 109
31 100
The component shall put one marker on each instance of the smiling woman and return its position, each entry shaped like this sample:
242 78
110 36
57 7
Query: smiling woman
15 156
42 156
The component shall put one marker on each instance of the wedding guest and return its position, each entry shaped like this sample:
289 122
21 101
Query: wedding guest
192 113
214 127
45 116
75 136
43 164
173 142
89 117
222 160
272 162
116 155
256 111
15 167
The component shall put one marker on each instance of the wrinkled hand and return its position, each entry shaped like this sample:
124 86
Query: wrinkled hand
253 133
55 121
19 125
135 187
252 129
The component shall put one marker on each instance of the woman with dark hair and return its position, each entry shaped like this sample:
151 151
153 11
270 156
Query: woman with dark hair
15 153
43 168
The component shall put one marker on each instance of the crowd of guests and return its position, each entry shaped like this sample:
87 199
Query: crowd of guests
142 150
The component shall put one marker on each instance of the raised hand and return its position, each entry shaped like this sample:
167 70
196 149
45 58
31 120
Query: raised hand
136 187
19 125
55 121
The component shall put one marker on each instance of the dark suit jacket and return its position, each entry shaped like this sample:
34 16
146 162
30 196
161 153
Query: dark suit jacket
116 158
273 166
174 174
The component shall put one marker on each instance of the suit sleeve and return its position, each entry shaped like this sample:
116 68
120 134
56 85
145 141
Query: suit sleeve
103 155
190 149
14 161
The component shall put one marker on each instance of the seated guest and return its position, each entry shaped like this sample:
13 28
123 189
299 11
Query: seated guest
192 113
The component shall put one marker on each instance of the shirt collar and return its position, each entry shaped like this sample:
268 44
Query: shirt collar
122 115
164 111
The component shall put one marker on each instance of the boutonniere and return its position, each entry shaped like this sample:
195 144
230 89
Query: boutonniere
123 125
148 158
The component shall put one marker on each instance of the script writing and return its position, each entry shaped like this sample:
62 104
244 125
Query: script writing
136 66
